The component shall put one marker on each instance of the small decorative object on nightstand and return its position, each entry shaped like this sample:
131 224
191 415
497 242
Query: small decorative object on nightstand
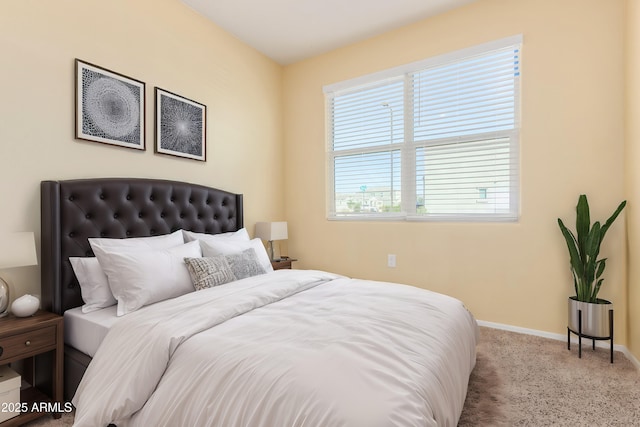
24 338
25 306
16 250
282 263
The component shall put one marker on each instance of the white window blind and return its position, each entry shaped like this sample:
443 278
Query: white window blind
437 139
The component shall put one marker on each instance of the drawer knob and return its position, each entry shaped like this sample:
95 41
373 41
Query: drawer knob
27 343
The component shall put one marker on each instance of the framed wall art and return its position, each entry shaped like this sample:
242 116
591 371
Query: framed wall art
180 126
110 107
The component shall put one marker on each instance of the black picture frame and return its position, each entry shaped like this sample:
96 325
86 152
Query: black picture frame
181 126
110 107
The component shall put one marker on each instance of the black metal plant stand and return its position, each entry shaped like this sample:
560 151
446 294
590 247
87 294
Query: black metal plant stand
593 339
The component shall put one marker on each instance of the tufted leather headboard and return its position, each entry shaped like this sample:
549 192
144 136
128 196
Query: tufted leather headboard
74 210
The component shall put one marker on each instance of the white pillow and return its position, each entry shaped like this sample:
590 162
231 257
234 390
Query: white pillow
232 246
154 242
94 285
242 234
140 278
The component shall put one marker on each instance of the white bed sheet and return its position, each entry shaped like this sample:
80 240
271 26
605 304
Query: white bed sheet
86 331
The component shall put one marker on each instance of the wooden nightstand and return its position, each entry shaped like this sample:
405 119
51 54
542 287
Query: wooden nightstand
282 263
23 338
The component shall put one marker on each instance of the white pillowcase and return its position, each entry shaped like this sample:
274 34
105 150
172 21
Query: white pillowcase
94 285
154 242
242 234
232 246
140 278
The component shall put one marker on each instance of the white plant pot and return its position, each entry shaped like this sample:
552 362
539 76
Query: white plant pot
595 317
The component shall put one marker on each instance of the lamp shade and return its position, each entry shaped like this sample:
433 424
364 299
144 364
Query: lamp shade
272 230
17 250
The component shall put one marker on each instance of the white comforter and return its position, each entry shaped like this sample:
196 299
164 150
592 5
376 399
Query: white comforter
288 348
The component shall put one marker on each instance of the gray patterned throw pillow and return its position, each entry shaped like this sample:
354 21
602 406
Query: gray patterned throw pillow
245 264
208 272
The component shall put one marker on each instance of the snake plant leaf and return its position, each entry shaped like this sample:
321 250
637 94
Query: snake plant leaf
601 267
612 218
592 247
574 254
594 296
583 223
591 251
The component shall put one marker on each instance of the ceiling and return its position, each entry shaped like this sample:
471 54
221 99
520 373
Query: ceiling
288 31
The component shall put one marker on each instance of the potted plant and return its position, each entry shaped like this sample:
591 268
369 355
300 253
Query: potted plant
587 269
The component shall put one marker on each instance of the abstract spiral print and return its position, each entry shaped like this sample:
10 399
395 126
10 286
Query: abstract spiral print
180 126
111 108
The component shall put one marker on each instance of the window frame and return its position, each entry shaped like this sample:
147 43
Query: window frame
408 147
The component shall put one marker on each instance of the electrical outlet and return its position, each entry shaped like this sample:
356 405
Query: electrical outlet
391 260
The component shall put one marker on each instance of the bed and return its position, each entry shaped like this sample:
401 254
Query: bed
286 347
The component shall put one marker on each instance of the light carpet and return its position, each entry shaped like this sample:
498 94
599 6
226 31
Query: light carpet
524 380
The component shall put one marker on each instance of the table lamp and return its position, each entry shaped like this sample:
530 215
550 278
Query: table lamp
271 231
16 250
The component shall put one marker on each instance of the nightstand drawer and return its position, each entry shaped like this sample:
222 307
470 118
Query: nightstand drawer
19 344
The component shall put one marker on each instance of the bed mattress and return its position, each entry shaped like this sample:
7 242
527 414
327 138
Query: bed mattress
86 331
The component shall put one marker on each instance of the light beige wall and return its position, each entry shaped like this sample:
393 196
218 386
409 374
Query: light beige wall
632 159
571 143
161 42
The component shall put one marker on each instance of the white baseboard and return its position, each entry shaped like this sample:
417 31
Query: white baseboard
560 337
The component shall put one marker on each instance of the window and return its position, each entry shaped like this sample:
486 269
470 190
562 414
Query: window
482 193
436 139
